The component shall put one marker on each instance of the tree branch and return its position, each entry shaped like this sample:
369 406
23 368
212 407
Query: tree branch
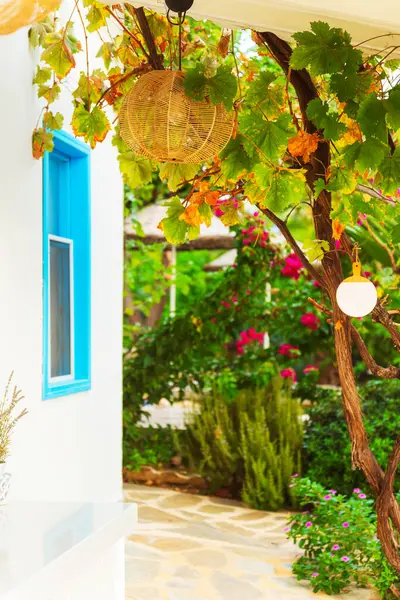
364 189
293 244
155 59
384 503
383 372
380 315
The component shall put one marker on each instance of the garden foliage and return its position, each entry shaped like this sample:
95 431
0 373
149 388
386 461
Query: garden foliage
338 537
326 447
248 445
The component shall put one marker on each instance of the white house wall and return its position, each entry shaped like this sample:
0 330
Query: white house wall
69 448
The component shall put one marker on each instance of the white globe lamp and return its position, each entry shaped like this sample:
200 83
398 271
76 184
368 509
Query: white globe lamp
356 295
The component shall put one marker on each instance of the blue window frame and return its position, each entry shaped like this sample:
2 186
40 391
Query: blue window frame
66 267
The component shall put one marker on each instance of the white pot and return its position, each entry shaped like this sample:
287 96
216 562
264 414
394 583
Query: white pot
5 480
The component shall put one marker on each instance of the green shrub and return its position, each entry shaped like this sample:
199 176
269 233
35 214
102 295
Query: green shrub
326 447
146 445
338 536
250 444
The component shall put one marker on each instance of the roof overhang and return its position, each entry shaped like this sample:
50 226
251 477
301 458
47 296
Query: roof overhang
363 19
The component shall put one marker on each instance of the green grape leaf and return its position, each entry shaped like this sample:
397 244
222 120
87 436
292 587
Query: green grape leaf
59 57
324 49
254 193
53 121
176 174
282 187
38 32
366 155
392 106
315 249
371 118
235 160
105 52
271 137
319 186
175 230
92 125
318 113
42 75
267 92
222 87
96 17
42 141
136 171
342 180
49 92
388 177
350 85
231 216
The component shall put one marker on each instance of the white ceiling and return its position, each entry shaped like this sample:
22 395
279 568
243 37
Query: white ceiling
363 19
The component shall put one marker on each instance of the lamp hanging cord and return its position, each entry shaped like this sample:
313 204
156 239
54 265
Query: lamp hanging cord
178 22
356 248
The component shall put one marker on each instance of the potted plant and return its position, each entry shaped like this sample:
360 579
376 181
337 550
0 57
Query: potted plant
8 420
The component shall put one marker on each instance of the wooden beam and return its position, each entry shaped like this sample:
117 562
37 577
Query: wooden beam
219 242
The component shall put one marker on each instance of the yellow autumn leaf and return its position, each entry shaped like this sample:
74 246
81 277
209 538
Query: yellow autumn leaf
337 229
303 144
191 215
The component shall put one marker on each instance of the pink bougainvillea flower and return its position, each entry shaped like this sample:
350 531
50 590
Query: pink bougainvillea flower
213 320
362 496
219 213
314 575
367 274
357 491
310 320
288 350
289 374
345 559
293 266
327 497
316 284
333 492
256 214
226 304
235 299
308 524
345 524
239 349
337 244
292 485
335 547
286 529
294 475
310 369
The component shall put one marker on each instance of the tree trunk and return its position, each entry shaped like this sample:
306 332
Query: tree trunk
388 512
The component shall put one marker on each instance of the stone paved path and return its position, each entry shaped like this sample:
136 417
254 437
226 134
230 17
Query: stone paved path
190 547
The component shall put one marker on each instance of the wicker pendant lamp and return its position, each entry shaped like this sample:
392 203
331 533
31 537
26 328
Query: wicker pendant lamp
158 120
15 14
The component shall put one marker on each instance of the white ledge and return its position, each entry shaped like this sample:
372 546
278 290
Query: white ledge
43 544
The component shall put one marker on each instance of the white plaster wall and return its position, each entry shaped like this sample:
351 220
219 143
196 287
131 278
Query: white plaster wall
69 448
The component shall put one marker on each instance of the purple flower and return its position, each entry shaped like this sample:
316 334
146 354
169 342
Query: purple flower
345 524
345 559
333 555
314 575
356 490
308 524
335 547
327 497
333 492
362 496
286 529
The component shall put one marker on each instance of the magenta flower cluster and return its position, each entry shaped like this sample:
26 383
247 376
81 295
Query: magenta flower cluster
248 337
293 266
